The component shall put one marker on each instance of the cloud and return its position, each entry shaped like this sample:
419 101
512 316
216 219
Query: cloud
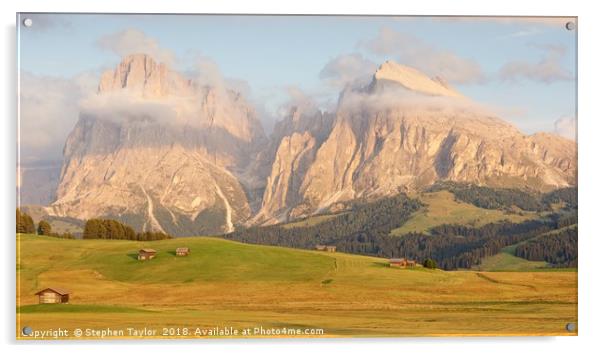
547 70
206 72
412 51
398 98
349 69
566 127
300 100
133 41
48 111
210 97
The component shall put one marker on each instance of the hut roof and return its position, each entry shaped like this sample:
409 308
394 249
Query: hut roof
148 250
60 291
182 249
397 260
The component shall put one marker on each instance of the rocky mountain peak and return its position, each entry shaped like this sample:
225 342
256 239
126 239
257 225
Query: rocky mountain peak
412 80
141 74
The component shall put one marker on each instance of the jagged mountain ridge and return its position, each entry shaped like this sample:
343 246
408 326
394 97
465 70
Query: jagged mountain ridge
216 170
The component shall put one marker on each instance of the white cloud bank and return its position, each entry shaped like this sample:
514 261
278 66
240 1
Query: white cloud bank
348 69
134 41
566 127
49 110
547 70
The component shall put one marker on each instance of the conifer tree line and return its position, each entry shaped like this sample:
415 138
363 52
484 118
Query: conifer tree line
95 228
25 224
559 248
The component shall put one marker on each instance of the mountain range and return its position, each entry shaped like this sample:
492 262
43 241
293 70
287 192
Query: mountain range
159 151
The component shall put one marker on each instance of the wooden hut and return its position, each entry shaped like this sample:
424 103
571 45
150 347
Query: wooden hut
331 248
53 296
320 247
146 254
182 251
397 262
403 263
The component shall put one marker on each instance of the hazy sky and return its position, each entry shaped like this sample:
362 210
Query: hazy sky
521 68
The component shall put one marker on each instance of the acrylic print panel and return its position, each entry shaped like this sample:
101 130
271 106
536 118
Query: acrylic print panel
205 176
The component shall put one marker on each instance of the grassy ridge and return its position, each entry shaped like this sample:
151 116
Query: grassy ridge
241 285
442 208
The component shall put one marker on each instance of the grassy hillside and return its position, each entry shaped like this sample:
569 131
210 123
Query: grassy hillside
224 283
506 261
442 208
309 221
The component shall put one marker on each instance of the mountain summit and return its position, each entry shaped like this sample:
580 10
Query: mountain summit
141 74
412 80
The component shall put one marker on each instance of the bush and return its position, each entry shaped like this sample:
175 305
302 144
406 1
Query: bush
430 263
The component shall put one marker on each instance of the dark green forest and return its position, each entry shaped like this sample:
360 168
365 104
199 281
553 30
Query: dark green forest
559 249
365 228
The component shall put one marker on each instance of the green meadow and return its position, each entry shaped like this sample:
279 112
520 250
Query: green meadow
228 284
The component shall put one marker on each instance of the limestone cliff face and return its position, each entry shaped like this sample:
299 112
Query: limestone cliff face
404 132
174 169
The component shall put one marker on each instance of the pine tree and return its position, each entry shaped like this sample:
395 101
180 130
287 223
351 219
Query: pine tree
430 263
24 223
44 228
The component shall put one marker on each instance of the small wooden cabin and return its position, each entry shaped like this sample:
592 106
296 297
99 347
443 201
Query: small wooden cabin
403 263
328 248
53 296
146 254
182 251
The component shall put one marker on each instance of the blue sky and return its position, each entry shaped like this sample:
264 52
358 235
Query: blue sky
524 69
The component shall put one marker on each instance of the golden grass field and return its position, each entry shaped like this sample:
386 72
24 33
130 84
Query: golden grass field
229 284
